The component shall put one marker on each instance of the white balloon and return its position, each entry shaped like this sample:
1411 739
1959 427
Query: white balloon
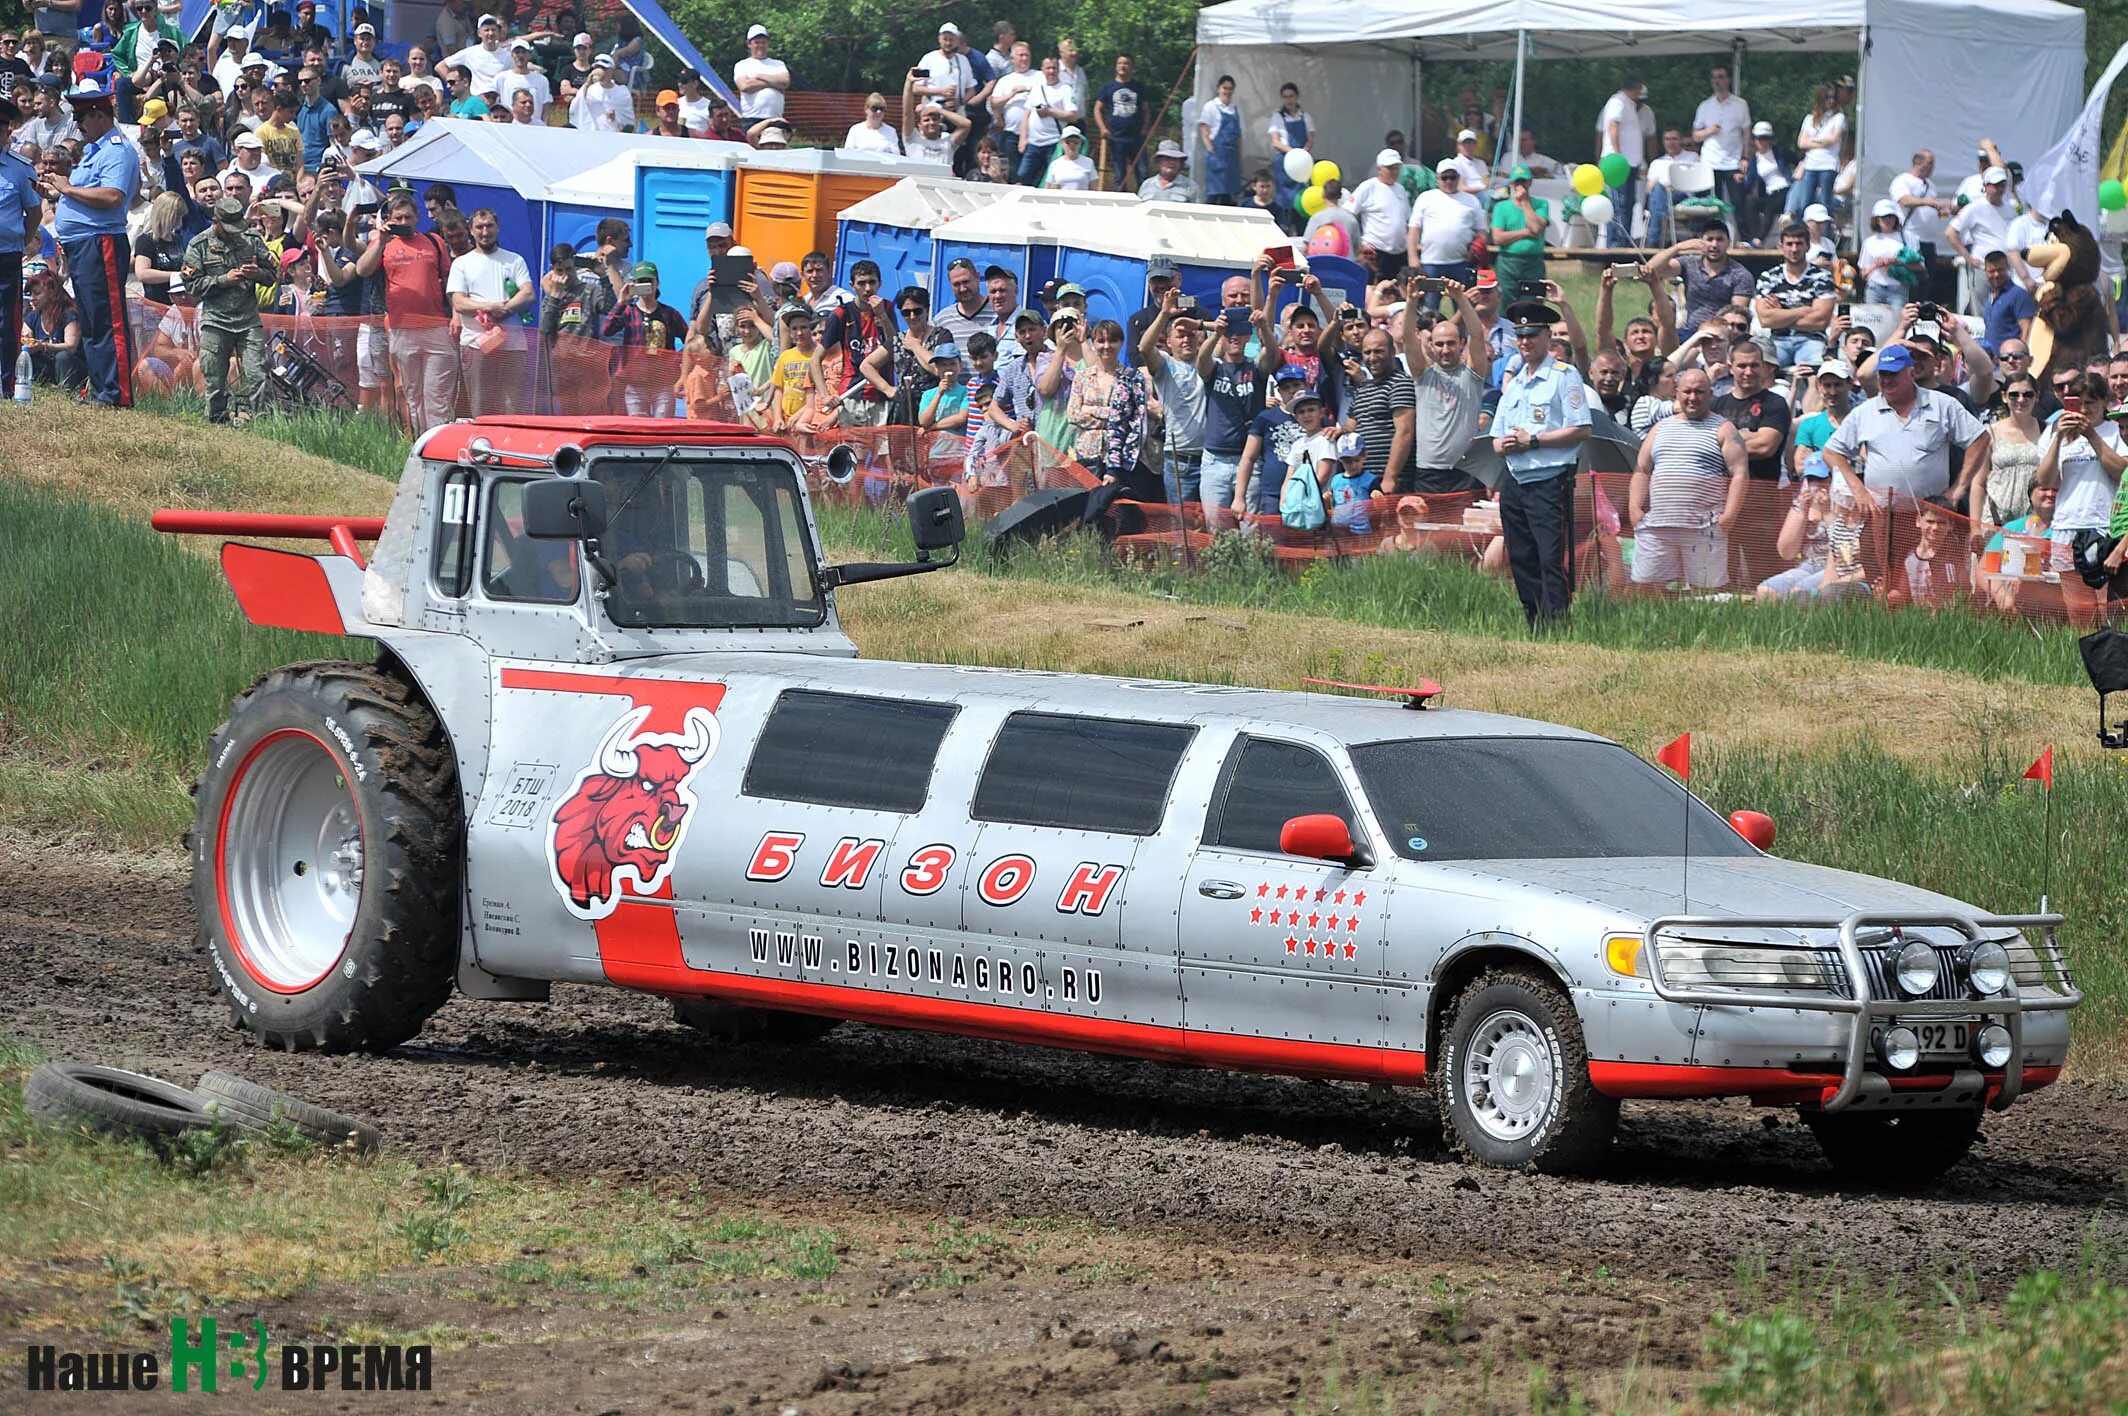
2114 223
1596 210
1300 165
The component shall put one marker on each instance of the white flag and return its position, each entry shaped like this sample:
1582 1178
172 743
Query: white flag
2066 176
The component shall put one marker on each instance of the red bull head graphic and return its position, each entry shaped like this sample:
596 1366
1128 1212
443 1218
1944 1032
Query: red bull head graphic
627 813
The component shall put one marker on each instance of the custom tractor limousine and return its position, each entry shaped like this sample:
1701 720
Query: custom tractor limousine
614 734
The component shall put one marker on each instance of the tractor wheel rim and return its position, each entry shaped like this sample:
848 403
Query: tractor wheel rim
1508 1076
292 861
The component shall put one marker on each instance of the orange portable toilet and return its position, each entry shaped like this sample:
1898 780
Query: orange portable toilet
789 202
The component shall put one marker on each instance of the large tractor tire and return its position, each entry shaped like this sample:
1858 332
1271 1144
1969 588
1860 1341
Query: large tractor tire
1514 1080
1903 1150
326 845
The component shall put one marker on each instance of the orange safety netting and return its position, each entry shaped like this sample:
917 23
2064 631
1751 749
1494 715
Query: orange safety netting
1795 542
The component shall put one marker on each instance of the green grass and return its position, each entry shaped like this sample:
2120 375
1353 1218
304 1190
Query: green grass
357 439
119 654
1437 593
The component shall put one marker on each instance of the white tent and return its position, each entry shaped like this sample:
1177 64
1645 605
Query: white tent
1938 74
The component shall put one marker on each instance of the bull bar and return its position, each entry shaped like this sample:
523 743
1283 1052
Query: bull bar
1861 1007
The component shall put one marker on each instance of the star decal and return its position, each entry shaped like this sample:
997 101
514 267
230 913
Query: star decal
1321 894
1281 892
1350 950
1263 890
1339 897
1352 923
1311 946
1360 898
1292 945
1256 915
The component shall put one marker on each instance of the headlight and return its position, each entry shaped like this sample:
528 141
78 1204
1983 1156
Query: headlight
1900 1049
1915 968
1742 966
1992 1046
1987 965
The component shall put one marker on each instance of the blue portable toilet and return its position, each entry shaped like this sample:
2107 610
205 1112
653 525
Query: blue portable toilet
895 227
1025 231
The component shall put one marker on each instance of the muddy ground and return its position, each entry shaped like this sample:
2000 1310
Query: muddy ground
1250 1243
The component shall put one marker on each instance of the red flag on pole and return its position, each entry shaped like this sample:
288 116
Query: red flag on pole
2042 769
1678 757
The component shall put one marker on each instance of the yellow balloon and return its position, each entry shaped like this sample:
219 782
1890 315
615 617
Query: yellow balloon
1313 200
1325 171
1588 179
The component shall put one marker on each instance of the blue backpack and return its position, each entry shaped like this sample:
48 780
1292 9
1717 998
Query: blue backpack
1300 500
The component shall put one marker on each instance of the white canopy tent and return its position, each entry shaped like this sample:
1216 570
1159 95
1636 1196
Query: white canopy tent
1938 74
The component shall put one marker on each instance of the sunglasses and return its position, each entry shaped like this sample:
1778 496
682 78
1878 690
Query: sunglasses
2022 395
2065 386
875 108
912 311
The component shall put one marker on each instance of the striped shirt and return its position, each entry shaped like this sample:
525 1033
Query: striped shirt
1689 477
1373 404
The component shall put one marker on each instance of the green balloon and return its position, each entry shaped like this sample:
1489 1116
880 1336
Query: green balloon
2112 196
1615 169
1300 203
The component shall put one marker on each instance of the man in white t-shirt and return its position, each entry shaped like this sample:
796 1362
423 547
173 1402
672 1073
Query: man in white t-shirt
489 290
1384 214
1477 173
1721 125
1443 220
1626 126
1049 108
760 80
1982 227
521 75
604 105
948 76
1008 100
487 59
1924 211
936 135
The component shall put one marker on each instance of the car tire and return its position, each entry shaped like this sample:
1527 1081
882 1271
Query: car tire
112 1102
1894 1151
1513 1080
732 1022
251 1107
326 856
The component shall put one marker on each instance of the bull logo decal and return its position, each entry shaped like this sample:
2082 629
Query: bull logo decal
627 812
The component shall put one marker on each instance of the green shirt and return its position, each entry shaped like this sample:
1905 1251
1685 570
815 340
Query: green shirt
1815 431
2120 510
1508 216
225 302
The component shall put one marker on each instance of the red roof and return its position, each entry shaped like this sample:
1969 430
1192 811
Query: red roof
541 436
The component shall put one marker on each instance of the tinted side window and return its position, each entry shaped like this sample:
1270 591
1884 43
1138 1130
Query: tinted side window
835 749
1268 783
515 566
1086 774
454 533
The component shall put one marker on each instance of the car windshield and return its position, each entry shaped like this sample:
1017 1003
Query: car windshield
1526 798
708 544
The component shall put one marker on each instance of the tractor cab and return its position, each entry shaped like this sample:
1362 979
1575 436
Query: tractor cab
600 539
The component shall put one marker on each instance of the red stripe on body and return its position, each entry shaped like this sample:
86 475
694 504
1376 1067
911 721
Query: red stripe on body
121 329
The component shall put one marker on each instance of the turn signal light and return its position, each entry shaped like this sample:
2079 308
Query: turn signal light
1622 953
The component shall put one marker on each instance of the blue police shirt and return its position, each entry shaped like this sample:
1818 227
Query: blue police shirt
1541 400
108 162
21 204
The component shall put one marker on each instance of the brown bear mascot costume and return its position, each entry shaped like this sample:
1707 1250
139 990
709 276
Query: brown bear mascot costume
2071 328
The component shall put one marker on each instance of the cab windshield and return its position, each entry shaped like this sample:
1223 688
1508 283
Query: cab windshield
701 543
1519 798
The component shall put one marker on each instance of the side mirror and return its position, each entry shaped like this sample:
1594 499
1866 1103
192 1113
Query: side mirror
565 509
935 519
1319 837
1754 826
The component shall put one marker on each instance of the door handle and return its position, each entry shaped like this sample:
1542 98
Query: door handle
1220 889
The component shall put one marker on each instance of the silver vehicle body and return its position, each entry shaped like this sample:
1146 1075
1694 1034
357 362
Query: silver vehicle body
1155 941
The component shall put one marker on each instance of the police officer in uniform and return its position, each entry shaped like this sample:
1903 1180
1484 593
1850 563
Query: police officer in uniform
222 268
1542 420
91 227
21 208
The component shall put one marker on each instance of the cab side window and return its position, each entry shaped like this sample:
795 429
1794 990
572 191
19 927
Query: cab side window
837 749
454 532
1266 784
1081 774
516 567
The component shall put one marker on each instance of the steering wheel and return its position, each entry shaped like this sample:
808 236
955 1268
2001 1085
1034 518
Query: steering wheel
674 573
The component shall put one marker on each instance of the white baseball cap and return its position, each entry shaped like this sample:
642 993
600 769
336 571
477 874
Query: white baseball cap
366 28
1389 157
364 138
1445 166
1466 136
1071 130
1993 176
757 32
524 44
949 28
1885 207
1836 368
1351 445
248 140
602 61
580 39
1762 130
1816 212
717 228
487 20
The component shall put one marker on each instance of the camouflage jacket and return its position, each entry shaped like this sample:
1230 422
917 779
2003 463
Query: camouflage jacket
224 302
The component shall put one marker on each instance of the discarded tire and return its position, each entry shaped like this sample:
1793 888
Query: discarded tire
113 1102
251 1107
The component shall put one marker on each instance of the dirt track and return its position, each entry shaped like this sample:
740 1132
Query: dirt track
1279 1176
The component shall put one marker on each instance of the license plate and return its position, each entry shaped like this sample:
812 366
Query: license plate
1938 1039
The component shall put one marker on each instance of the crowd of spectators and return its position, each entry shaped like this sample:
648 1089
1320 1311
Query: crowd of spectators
1777 446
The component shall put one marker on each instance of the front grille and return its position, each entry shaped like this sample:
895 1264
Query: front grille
1877 963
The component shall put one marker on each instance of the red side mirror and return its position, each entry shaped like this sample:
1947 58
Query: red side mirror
1320 837
1754 826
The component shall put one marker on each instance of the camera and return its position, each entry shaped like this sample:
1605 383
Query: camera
1186 303
1929 310
1529 290
1427 285
1626 270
